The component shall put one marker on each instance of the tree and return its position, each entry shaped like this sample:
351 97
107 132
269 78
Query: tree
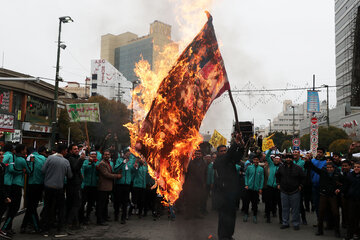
280 137
286 145
113 116
340 145
326 137
76 134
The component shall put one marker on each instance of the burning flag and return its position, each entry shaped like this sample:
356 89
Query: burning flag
170 132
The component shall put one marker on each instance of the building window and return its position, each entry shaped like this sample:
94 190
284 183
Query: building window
94 85
94 77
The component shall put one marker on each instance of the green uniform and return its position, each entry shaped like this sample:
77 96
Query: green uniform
37 177
254 177
271 182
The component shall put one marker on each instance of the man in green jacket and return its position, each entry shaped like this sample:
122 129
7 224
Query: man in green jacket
254 181
273 199
34 190
18 168
140 172
90 185
122 185
301 163
8 160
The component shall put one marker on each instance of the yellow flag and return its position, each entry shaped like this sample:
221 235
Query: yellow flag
268 143
217 139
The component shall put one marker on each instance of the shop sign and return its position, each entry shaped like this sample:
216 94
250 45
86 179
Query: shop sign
36 128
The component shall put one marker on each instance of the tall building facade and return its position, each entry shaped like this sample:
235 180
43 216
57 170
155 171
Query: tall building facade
126 49
345 25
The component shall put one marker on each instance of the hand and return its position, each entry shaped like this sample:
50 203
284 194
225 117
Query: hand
32 159
118 175
337 191
278 187
7 200
273 148
82 156
108 136
260 191
300 188
246 187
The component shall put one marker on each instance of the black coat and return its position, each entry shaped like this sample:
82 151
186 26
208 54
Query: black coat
290 178
352 186
75 164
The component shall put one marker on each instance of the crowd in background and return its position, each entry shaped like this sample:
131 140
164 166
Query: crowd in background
77 181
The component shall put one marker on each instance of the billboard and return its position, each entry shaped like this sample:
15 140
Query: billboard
313 104
83 112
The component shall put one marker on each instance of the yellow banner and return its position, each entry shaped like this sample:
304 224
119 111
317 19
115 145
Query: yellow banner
268 143
217 139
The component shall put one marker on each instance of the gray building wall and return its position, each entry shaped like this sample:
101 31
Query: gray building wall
345 20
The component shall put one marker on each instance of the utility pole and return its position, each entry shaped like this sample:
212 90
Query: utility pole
293 107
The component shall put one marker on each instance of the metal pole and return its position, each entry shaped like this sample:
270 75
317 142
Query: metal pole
54 119
327 106
69 132
293 107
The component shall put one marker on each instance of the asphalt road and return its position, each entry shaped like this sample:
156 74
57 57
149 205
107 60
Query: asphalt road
180 229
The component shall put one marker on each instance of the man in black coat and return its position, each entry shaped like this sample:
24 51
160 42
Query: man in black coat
226 183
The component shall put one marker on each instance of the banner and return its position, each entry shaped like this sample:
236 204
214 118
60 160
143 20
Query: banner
268 143
83 112
313 105
217 139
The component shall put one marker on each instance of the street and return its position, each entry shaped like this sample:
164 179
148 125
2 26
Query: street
147 229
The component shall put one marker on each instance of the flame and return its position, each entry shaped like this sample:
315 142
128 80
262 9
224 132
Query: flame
168 171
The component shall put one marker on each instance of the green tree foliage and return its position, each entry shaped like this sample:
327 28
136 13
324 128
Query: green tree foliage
326 137
113 116
76 134
340 145
286 145
279 138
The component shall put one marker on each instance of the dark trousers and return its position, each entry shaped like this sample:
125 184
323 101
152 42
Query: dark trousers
139 198
102 206
4 206
316 198
354 217
328 203
273 200
33 197
302 207
253 197
227 215
54 208
121 198
15 196
73 203
307 195
344 212
89 199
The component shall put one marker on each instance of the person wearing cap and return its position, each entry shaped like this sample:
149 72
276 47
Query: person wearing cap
273 199
330 183
290 180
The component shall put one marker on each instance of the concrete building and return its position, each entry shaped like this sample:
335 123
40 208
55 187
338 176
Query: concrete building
345 25
124 50
107 81
75 87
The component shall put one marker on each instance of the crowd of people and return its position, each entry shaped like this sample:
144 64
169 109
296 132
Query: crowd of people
76 181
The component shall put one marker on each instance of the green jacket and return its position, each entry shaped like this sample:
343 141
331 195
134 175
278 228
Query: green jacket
37 177
210 174
271 182
90 177
254 177
127 170
300 163
98 155
8 160
140 176
17 170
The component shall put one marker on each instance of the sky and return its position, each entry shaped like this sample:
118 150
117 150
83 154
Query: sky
264 44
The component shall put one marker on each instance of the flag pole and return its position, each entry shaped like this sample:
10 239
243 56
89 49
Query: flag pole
237 126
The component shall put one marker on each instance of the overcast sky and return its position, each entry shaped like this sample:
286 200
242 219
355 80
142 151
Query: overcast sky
265 44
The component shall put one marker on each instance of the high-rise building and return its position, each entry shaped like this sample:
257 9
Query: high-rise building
345 25
126 49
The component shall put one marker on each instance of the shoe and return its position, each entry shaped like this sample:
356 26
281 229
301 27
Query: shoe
245 218
61 234
268 220
284 226
304 222
337 234
4 235
296 228
254 219
116 218
123 221
319 233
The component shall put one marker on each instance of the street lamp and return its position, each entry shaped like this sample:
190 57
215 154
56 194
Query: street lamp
65 19
293 107
327 104
269 125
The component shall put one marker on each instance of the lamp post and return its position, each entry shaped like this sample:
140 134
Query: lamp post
65 19
327 104
293 107
269 125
